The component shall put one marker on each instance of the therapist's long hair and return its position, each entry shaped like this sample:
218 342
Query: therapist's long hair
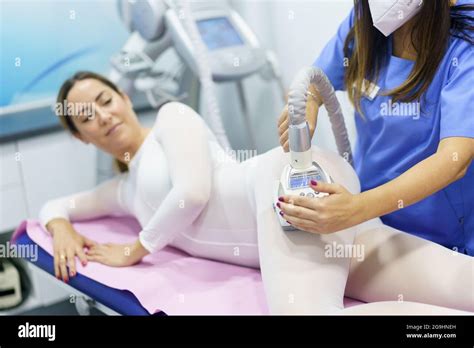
367 48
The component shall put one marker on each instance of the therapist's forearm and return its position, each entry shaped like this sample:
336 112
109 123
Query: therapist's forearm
417 183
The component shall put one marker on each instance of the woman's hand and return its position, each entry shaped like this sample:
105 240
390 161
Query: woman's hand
312 110
67 244
340 210
117 255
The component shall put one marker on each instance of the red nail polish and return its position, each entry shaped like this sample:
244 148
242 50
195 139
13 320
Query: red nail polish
278 205
313 182
281 199
281 213
288 222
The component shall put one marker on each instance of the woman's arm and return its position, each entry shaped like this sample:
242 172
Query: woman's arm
341 209
100 201
56 216
185 141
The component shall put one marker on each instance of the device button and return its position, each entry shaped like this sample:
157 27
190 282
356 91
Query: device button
302 194
310 195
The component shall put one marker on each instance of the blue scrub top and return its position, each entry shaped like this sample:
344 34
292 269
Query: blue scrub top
395 137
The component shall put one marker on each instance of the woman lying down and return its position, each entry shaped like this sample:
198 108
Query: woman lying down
184 193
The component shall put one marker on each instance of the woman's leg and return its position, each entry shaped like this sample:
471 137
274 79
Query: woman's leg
401 267
298 276
400 308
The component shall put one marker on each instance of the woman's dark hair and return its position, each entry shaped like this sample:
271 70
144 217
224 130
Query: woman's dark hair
367 49
61 99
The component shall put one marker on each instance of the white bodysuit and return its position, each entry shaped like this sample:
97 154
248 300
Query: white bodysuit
182 188
186 192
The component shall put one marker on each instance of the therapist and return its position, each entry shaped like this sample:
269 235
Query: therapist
409 72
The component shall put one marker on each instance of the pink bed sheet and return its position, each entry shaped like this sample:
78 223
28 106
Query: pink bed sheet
169 280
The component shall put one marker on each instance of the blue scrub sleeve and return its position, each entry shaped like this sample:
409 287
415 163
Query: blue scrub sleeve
331 59
457 97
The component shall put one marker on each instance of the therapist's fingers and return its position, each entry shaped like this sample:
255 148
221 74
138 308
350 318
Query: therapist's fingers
283 134
284 140
302 224
283 116
298 211
308 225
312 111
319 186
284 137
309 203
283 126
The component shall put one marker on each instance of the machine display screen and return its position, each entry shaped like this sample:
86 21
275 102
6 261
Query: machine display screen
302 180
218 33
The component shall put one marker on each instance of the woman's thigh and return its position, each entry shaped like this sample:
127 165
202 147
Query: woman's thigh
400 308
299 277
400 267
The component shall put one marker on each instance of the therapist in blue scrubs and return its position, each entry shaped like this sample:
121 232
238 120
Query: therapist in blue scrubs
408 68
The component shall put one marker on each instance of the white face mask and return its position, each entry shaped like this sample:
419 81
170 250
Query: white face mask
389 15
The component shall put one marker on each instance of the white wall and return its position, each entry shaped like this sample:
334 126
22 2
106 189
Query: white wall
297 31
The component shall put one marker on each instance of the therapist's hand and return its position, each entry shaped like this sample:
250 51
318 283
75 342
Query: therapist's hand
312 110
338 211
67 244
117 255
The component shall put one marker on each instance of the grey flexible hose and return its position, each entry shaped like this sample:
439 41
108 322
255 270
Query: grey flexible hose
297 98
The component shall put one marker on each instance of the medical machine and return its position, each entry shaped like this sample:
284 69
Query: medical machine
10 285
180 49
232 49
297 175
212 40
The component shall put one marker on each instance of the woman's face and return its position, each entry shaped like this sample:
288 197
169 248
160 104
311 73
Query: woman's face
102 116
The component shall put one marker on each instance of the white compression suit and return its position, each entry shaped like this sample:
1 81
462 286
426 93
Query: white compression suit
186 192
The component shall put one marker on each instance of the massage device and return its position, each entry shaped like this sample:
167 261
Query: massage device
297 175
